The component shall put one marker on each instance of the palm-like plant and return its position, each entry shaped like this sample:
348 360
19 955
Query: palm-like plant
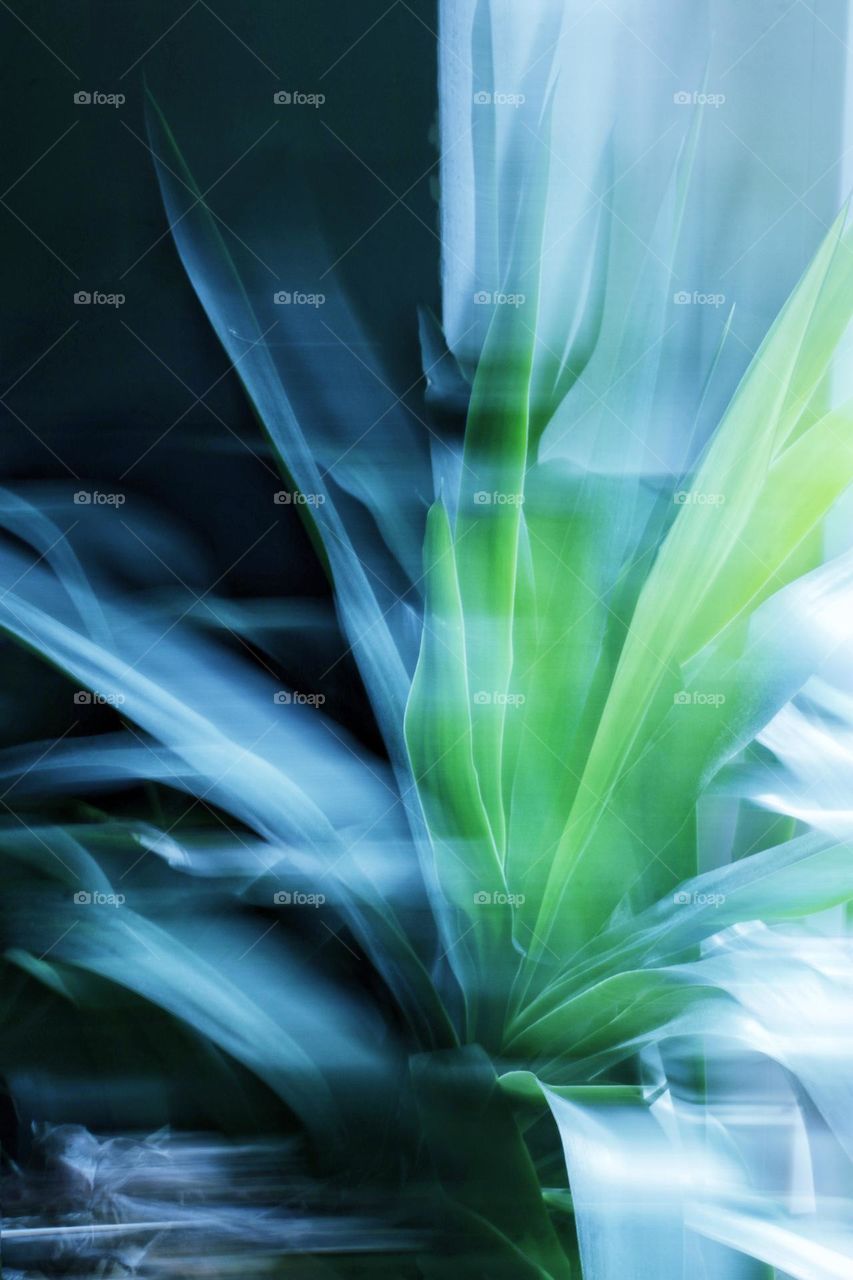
573 720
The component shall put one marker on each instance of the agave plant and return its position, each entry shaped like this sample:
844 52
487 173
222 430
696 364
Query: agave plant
589 881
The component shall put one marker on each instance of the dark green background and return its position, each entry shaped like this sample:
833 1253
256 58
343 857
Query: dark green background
99 398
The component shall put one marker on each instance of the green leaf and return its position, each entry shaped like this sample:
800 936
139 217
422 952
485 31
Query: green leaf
672 619
481 1159
440 742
